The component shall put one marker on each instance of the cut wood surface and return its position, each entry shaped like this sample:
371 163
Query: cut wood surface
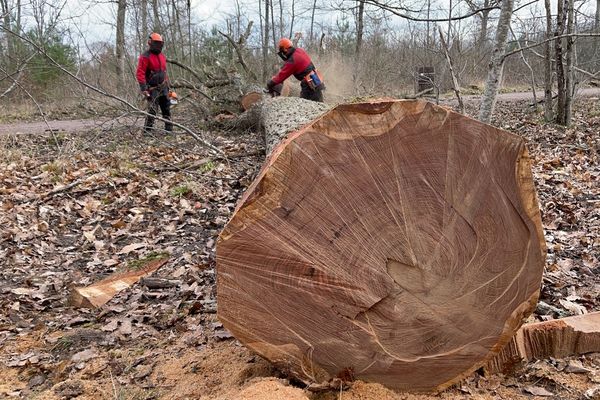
101 292
558 338
393 241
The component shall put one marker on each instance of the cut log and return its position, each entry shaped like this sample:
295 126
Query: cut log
102 292
393 241
559 338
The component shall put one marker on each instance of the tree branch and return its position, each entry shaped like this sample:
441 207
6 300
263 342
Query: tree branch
510 53
238 51
397 11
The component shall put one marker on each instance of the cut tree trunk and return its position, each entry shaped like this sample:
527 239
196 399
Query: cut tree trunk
394 241
558 338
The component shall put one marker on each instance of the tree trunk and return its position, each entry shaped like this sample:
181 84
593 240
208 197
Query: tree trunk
548 77
292 18
360 26
569 79
312 21
497 63
120 42
273 24
265 48
156 23
597 17
483 32
560 69
363 248
144 28
6 14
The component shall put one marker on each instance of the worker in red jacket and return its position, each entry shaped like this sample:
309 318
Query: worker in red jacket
154 82
299 64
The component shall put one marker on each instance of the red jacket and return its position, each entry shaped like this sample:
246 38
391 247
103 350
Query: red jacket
298 65
151 70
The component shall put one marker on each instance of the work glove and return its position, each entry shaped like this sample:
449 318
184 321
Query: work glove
273 89
146 94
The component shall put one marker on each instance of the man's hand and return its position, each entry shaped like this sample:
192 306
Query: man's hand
146 94
273 89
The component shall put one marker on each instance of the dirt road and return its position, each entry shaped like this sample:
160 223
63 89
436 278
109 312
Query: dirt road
105 124
73 125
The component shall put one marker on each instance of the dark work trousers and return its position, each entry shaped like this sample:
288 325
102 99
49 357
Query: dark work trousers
158 99
309 94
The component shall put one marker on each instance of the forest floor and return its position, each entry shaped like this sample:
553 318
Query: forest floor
128 198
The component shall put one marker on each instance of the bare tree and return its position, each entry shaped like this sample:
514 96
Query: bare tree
265 43
156 25
120 42
312 21
569 79
496 63
560 68
360 25
548 77
485 7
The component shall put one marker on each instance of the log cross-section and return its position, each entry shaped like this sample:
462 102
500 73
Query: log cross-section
396 239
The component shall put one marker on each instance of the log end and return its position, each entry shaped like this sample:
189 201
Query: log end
394 239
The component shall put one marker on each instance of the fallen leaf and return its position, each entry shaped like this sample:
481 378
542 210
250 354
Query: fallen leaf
131 247
538 391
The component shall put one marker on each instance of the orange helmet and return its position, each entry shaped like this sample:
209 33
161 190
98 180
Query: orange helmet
155 37
285 44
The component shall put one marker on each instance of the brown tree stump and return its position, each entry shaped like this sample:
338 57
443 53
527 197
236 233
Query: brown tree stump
393 241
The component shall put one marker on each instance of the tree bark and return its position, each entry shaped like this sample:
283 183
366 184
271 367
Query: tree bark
6 13
360 26
497 63
548 77
120 42
312 21
560 68
156 23
597 17
265 44
569 79
144 28
362 247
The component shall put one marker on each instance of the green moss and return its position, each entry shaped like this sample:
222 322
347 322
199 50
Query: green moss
142 262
